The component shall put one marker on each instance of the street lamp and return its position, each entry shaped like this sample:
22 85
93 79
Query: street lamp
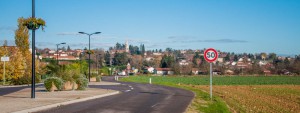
89 51
33 55
57 51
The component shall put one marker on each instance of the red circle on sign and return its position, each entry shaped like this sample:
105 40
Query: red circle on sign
211 56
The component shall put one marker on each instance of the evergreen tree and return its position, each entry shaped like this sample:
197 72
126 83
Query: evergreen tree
196 59
235 58
107 58
167 61
120 59
68 49
227 57
160 50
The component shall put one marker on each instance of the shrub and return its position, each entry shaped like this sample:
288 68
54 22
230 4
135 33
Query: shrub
104 70
21 80
82 83
94 75
58 82
98 78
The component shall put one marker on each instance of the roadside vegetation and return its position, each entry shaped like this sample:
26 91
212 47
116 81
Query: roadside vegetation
235 93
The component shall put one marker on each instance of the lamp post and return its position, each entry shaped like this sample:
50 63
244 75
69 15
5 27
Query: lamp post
57 51
33 55
89 50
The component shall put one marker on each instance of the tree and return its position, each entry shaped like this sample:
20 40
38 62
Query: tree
142 48
263 56
107 58
296 65
196 60
134 50
63 48
286 62
5 43
235 58
256 69
227 57
22 37
18 64
120 59
186 69
22 42
176 69
118 46
204 66
167 61
137 61
68 49
169 50
272 56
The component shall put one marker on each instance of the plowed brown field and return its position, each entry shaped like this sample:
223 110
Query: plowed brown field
259 98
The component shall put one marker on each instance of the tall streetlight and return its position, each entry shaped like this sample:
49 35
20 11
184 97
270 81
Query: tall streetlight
33 55
89 51
57 50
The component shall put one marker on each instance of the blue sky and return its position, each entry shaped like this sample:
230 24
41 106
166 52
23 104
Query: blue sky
239 26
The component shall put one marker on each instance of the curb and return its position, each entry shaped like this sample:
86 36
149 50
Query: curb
40 108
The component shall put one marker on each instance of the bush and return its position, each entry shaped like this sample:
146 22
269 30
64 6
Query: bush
104 70
98 78
94 75
21 81
82 83
58 82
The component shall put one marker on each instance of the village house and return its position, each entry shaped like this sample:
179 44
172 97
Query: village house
163 71
183 63
195 71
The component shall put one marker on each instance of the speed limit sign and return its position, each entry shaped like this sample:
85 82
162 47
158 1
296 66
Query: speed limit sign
210 55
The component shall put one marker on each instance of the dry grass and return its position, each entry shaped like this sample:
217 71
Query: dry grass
259 98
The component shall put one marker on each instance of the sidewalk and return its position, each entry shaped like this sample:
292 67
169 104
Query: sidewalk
21 102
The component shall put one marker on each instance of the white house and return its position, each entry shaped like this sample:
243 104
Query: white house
183 63
164 71
150 69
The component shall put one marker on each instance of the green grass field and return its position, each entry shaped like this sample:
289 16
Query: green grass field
220 80
199 85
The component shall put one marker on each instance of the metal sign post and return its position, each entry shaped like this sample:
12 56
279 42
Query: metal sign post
4 74
210 80
210 56
4 59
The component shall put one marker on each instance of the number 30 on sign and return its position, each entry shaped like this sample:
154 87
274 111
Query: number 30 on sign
210 55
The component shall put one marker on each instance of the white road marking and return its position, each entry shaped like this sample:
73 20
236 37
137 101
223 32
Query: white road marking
127 90
131 88
154 105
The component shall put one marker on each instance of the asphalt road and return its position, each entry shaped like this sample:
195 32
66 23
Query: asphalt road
134 98
8 90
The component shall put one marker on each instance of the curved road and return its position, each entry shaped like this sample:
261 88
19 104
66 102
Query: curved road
134 98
